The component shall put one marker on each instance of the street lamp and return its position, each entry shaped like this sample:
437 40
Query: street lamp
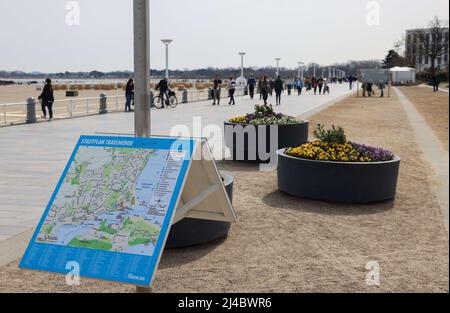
300 69
167 42
242 54
278 66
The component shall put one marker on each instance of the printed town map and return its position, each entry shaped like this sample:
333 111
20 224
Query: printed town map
113 199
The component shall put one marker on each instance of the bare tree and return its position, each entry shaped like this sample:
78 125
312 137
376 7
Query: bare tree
399 46
434 42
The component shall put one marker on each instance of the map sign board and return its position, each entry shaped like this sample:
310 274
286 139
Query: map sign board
374 76
112 209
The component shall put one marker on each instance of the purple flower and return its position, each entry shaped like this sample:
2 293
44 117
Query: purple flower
374 154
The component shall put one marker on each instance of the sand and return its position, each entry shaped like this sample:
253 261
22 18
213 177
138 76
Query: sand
285 244
434 108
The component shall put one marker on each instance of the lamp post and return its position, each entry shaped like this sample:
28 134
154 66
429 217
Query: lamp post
300 69
242 54
314 73
167 42
278 66
141 28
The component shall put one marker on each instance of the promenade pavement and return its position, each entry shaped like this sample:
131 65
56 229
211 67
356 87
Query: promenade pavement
33 156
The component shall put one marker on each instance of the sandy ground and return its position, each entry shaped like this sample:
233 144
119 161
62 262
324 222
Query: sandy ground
285 244
434 108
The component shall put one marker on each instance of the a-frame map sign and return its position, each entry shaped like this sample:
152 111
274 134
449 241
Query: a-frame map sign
112 208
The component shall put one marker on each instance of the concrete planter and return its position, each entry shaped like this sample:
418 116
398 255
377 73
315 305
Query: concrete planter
191 232
244 140
337 181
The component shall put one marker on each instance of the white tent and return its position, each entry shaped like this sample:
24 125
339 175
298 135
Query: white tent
403 75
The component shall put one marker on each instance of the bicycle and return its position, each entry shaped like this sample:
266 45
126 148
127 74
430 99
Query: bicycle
159 100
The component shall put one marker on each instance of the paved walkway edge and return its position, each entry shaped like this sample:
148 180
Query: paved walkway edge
431 87
433 151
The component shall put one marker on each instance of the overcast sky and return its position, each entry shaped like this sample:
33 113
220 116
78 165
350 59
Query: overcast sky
34 35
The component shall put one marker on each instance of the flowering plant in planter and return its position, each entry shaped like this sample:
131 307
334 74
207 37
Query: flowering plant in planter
264 115
332 145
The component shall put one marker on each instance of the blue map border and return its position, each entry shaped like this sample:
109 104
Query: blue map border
113 266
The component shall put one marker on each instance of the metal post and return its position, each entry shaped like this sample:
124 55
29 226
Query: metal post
31 111
141 24
300 69
103 104
278 66
242 54
141 67
184 96
167 42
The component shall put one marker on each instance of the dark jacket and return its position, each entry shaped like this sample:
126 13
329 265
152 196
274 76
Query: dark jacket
278 86
47 94
435 81
129 89
162 86
251 83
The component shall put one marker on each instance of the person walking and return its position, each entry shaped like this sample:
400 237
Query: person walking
265 86
435 82
299 85
217 87
231 90
260 80
289 84
272 86
381 86
251 83
47 98
350 81
278 86
370 89
129 92
320 84
163 87
315 84
326 88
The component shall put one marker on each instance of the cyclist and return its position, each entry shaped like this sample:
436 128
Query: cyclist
163 87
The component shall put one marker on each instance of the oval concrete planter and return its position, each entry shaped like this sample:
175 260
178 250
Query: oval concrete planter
191 232
337 181
245 147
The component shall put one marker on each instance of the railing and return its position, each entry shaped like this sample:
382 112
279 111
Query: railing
16 113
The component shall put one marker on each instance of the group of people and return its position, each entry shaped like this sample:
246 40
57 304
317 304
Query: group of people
267 86
368 89
162 87
217 88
